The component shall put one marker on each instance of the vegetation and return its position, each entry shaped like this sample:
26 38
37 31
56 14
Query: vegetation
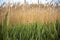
1 36
35 31
4 27
40 23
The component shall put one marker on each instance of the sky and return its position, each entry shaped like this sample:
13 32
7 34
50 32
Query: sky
22 1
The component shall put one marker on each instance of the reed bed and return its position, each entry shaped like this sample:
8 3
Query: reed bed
35 31
30 23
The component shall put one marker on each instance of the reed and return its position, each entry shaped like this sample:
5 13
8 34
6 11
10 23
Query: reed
4 27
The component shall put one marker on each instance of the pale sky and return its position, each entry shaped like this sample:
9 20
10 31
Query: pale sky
22 1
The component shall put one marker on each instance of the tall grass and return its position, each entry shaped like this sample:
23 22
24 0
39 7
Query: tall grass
4 27
35 31
1 36
58 29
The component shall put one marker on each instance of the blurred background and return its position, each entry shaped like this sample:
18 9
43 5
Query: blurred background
30 1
